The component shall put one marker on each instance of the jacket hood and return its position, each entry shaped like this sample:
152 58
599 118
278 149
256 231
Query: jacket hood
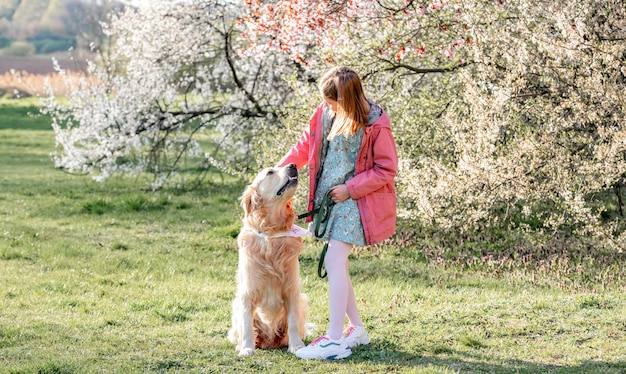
375 112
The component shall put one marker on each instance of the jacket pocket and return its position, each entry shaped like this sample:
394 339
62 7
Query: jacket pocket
378 214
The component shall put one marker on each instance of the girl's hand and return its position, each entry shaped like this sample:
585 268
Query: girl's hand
339 193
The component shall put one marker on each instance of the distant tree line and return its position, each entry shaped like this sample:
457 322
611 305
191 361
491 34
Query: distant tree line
30 27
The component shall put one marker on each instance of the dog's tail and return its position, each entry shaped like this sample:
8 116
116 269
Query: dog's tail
269 338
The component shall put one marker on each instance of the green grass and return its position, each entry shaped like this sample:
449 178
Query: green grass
107 278
22 114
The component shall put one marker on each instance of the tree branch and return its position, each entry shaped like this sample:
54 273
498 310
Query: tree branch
397 65
240 85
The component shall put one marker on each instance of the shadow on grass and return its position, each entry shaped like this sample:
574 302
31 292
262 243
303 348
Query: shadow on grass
389 355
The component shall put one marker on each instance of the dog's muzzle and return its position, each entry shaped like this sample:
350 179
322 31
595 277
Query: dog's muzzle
292 181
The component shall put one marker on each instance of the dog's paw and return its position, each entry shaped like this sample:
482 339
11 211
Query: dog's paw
293 347
246 352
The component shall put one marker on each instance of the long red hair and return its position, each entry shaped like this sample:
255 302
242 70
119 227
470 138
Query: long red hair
343 85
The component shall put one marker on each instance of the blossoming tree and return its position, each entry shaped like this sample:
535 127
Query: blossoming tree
508 115
171 87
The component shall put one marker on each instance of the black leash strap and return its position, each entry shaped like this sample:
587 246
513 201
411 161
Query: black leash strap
308 214
320 265
321 223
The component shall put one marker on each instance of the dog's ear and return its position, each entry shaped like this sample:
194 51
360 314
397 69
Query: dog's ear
246 200
250 200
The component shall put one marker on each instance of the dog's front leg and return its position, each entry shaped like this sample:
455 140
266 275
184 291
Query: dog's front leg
294 315
247 336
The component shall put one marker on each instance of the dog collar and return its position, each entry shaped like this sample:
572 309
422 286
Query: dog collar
296 231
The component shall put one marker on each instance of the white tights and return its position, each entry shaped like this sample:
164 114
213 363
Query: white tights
340 290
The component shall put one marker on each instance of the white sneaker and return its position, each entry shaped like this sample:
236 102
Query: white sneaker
324 348
355 335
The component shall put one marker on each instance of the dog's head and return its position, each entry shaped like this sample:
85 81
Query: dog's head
271 191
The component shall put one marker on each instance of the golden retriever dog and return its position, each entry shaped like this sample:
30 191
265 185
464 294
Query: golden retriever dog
269 309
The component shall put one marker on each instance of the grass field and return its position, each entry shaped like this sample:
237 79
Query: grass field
104 278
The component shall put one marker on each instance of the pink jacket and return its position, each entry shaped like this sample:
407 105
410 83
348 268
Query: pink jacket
373 183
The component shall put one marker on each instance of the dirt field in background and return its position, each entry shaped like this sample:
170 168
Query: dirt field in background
32 72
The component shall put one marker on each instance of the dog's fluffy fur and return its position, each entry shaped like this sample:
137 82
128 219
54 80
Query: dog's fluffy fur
269 309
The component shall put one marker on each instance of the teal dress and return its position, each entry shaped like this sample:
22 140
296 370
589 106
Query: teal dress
344 223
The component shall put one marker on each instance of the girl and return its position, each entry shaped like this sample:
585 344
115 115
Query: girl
352 156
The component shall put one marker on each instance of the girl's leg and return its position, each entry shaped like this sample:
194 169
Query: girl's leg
339 286
353 314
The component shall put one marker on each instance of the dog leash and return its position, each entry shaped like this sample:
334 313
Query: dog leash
321 224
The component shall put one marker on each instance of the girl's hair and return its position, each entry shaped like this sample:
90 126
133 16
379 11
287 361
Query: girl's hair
343 85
